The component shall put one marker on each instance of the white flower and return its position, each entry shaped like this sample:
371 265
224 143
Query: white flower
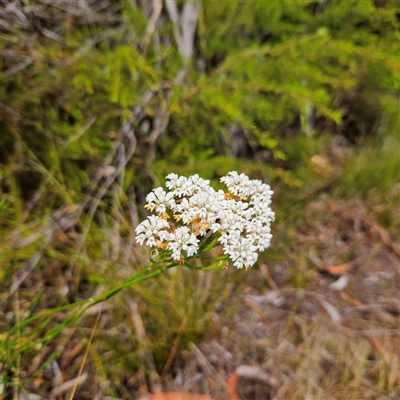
206 205
236 207
229 237
237 184
152 230
200 184
242 252
263 211
259 232
171 180
178 184
183 186
241 218
229 222
159 200
182 239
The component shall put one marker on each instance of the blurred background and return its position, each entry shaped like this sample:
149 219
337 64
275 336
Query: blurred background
101 99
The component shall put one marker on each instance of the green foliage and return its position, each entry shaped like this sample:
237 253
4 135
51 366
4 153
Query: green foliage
375 168
263 65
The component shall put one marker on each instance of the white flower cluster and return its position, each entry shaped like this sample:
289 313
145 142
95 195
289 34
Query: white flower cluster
241 217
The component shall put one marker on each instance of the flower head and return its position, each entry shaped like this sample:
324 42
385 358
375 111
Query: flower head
182 240
242 251
153 230
238 219
159 200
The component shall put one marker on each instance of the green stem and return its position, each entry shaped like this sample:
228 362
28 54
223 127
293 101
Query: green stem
216 265
224 257
138 277
84 305
98 299
131 281
190 266
209 246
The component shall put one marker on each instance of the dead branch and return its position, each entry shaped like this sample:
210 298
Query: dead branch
184 26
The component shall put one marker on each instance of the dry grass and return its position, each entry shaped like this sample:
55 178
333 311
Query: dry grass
319 317
189 331
316 341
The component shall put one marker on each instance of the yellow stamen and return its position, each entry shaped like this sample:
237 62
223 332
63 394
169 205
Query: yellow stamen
204 225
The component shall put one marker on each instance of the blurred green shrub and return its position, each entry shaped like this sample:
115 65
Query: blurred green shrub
262 69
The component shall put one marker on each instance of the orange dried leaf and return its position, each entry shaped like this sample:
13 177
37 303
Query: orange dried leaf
178 396
338 269
333 206
231 386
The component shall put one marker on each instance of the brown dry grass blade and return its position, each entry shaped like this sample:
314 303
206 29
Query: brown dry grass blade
79 377
177 396
146 355
381 348
384 236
